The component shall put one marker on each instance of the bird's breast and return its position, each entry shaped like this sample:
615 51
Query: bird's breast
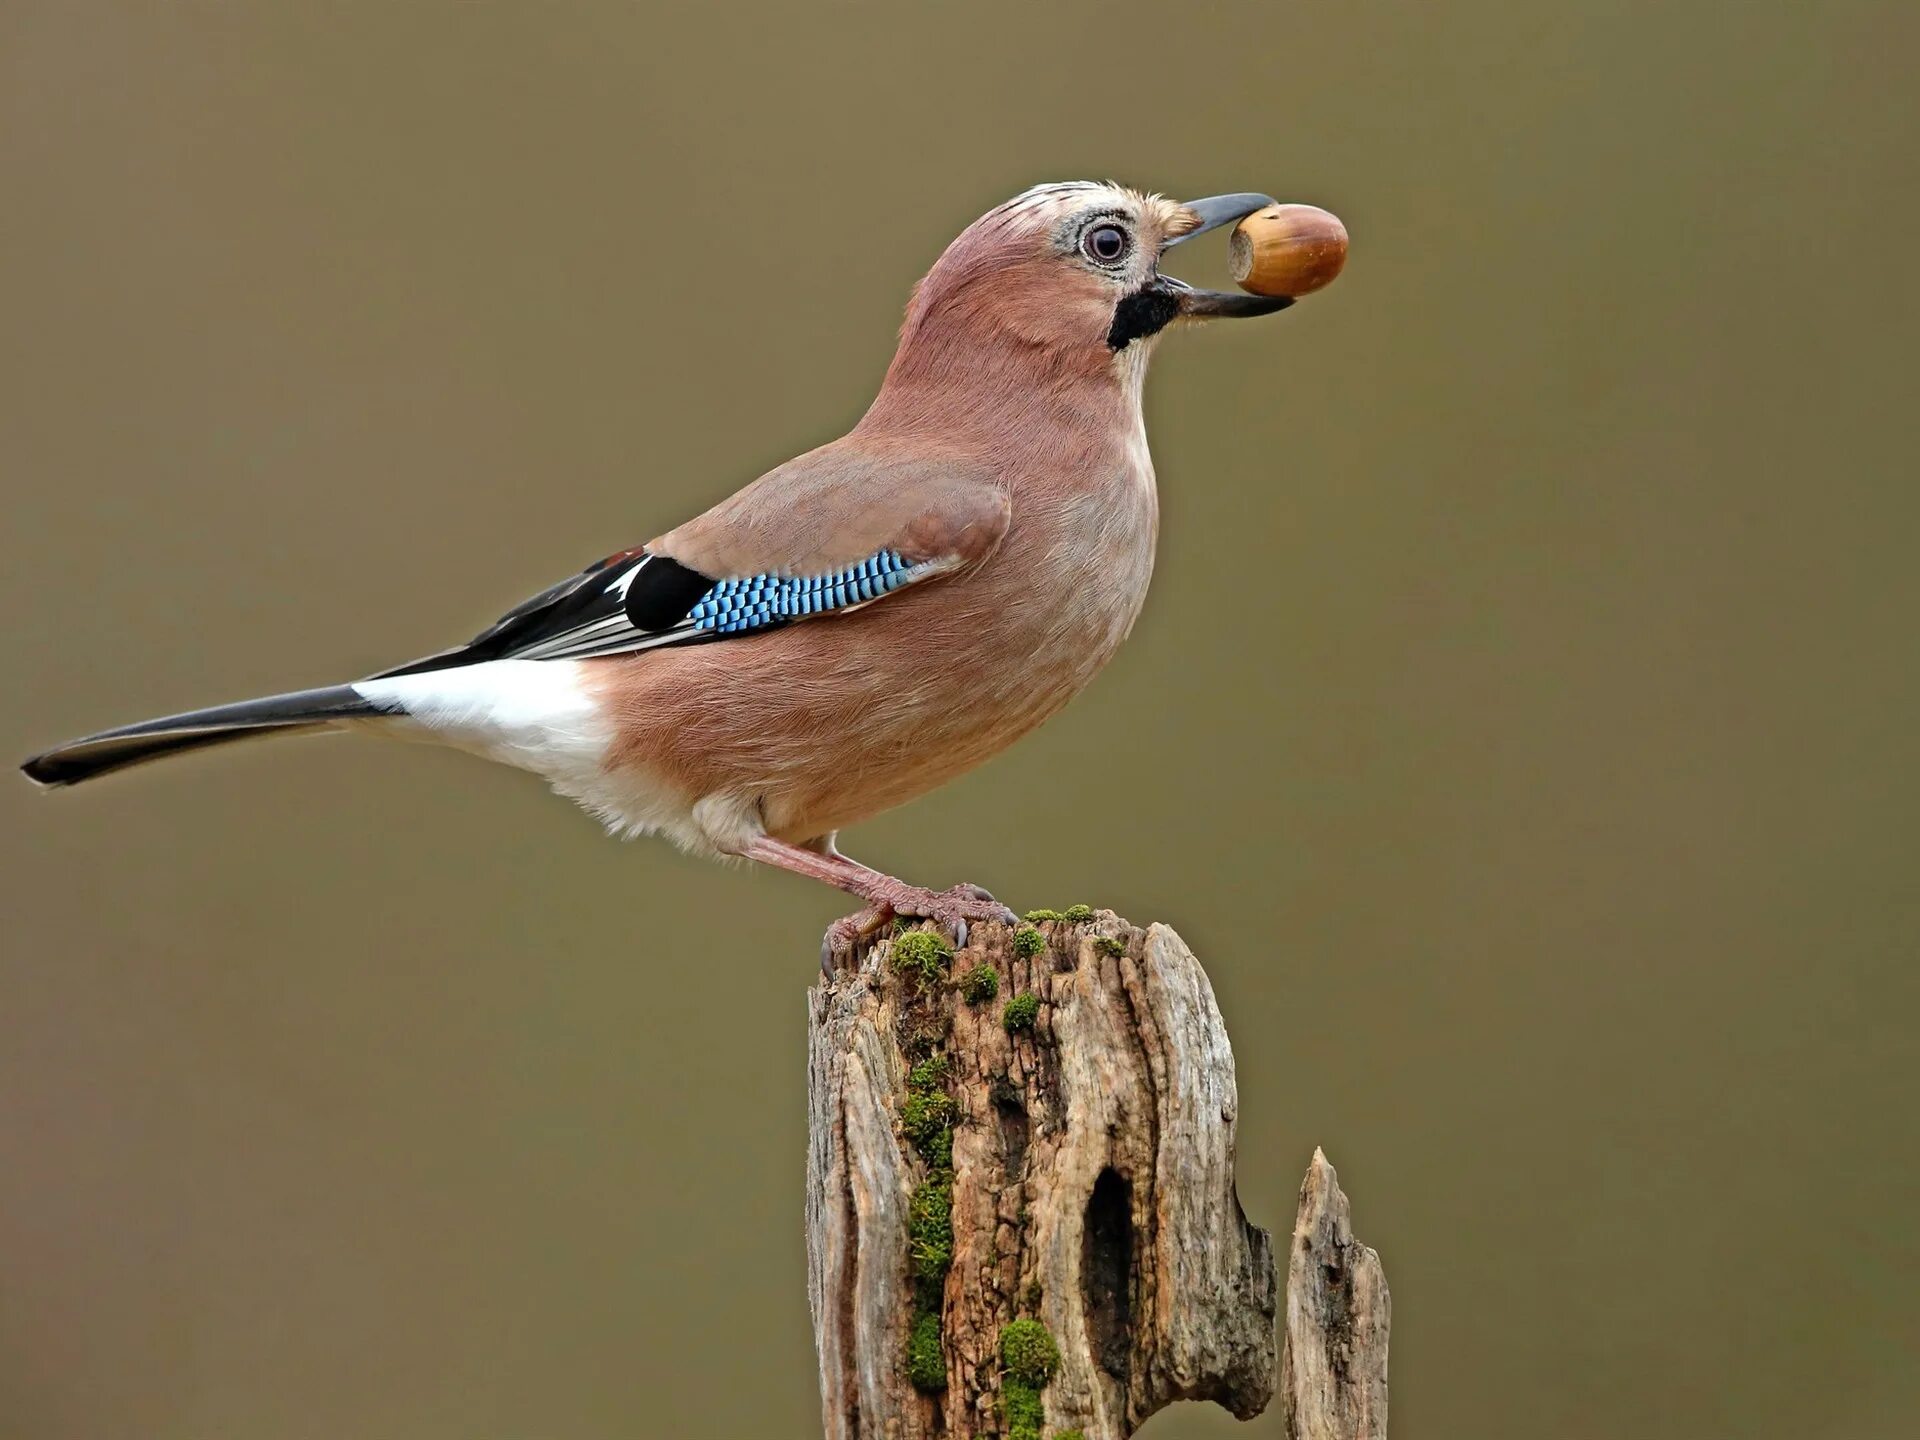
1091 560
826 722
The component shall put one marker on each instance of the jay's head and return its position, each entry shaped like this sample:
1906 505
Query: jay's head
1068 275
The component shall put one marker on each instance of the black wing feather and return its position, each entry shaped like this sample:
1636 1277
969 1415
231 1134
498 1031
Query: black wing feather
632 600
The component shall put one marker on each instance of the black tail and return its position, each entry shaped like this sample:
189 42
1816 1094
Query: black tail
112 750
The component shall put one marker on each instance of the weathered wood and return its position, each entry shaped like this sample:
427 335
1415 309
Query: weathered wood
1333 1364
1021 1215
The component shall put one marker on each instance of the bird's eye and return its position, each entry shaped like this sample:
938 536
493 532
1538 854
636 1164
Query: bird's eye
1104 244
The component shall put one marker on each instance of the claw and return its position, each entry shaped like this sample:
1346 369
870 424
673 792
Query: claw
993 909
844 935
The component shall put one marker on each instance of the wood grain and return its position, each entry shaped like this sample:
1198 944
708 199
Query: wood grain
1091 1183
1333 1363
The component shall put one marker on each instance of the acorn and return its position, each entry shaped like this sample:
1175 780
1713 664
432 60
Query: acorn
1289 250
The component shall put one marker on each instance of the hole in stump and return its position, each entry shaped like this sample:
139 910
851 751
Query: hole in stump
1010 1108
1106 1273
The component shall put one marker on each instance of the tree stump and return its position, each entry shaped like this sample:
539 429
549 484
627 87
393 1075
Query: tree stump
1021 1216
1333 1364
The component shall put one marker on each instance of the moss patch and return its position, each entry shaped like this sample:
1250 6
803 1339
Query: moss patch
1021 1410
922 955
1072 915
1027 1352
1028 941
928 1112
926 1119
981 984
926 1366
1110 945
928 1074
930 1227
925 1115
1028 1360
1021 1012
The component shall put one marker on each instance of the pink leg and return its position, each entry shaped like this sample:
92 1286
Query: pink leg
885 896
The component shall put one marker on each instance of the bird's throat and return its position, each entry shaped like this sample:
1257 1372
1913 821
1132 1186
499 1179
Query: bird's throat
1141 315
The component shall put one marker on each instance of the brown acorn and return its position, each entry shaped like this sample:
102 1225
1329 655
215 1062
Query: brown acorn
1289 250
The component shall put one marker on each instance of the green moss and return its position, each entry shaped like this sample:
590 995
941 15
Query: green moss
928 1112
1028 1353
1069 1435
928 1074
1073 915
981 984
926 1366
1021 1012
925 1114
1033 1294
921 954
930 1228
1028 1360
930 1254
1021 1410
1110 945
1028 941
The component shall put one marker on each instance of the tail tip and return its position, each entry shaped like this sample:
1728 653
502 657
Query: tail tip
45 771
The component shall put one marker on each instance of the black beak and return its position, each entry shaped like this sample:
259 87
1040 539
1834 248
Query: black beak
1218 210
1213 212
1218 304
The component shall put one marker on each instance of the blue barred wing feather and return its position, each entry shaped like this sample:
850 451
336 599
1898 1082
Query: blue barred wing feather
635 600
734 607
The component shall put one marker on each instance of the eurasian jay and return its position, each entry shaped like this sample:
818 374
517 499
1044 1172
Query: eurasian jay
860 624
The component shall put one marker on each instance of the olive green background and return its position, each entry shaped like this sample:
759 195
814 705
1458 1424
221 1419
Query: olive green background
1522 726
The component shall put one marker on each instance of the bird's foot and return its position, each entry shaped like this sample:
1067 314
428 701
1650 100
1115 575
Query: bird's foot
946 907
888 898
954 908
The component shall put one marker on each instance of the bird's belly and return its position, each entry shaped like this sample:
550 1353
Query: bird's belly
906 730
828 722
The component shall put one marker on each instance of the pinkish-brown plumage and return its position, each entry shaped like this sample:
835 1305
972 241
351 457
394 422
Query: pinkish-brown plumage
1002 476
1003 407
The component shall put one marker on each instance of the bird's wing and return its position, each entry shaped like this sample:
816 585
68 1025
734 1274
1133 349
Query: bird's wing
816 537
